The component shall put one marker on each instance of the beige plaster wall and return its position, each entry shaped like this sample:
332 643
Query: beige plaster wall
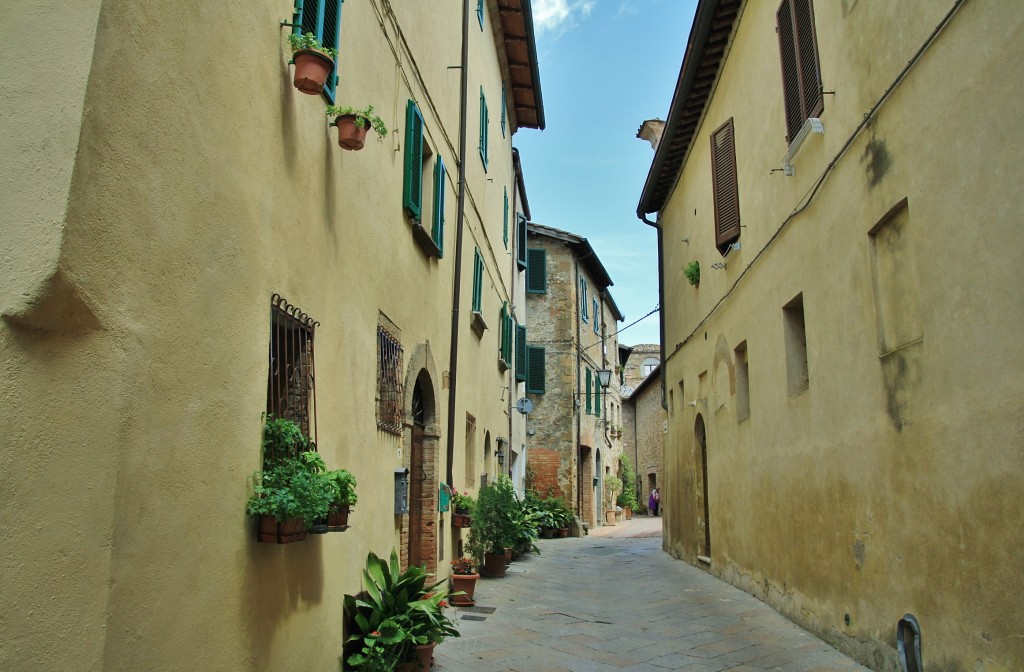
197 183
892 484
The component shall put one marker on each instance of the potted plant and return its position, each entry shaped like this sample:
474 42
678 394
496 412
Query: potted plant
627 500
352 125
397 620
692 273
314 62
344 484
493 528
463 582
289 494
462 507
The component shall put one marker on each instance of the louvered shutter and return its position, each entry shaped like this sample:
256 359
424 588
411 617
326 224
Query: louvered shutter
536 271
504 234
503 326
588 391
521 240
504 108
437 231
597 396
535 369
323 19
724 186
520 352
478 280
412 193
801 74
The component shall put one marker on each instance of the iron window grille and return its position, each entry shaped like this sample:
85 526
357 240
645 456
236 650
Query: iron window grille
291 380
390 390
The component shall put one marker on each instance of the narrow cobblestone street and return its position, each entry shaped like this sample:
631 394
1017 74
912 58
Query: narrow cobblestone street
616 601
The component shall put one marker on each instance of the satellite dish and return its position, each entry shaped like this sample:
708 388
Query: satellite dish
524 405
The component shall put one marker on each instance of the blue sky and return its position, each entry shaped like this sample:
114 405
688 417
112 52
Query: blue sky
605 67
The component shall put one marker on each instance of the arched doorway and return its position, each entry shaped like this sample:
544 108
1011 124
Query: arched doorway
417 481
703 518
598 488
420 543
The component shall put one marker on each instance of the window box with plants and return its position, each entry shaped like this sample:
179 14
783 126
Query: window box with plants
345 485
289 494
314 63
352 125
462 509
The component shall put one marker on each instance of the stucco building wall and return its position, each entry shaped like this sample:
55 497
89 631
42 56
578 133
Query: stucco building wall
167 180
876 486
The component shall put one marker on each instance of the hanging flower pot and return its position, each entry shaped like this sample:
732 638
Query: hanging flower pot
353 124
314 63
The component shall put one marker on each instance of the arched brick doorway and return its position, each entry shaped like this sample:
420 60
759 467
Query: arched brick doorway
419 530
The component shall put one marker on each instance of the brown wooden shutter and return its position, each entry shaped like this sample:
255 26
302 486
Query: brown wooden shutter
724 186
801 74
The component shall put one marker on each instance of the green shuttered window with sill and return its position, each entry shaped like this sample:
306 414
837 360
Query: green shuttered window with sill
323 19
521 362
535 369
536 271
412 191
478 279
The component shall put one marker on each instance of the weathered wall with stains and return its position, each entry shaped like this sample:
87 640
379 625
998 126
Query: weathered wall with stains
884 476
162 179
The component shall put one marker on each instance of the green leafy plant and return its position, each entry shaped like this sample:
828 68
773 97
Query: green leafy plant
494 526
292 487
344 484
363 117
463 503
628 474
692 272
309 41
396 612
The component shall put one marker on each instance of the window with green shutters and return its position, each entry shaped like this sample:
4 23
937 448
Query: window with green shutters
480 13
505 220
507 330
535 369
597 396
587 371
521 240
521 352
483 128
412 192
437 230
323 19
478 279
597 326
536 271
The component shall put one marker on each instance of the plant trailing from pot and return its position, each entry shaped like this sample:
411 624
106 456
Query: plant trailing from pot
353 124
692 272
396 613
344 484
314 62
289 493
493 525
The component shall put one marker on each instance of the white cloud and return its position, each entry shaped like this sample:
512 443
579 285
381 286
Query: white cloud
558 15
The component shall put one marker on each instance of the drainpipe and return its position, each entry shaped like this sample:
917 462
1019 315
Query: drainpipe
453 355
576 399
661 303
512 382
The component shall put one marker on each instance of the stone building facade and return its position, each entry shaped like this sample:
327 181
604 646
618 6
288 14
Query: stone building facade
641 360
644 430
843 355
182 233
571 325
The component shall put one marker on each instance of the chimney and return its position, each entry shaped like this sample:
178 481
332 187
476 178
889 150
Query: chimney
651 131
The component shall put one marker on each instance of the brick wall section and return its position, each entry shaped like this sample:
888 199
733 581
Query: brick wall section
546 464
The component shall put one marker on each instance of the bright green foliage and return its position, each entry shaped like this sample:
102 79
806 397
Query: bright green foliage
394 616
363 117
345 484
493 526
628 496
309 41
692 272
463 503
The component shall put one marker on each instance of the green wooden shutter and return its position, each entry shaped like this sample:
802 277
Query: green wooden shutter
502 325
583 299
504 234
509 330
535 369
323 19
597 309
437 232
480 13
412 193
520 352
478 279
588 391
597 396
483 128
521 240
536 271
504 107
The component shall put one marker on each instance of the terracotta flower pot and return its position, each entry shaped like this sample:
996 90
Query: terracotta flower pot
273 532
350 134
547 533
312 68
337 519
465 583
461 520
494 565
422 657
563 532
508 555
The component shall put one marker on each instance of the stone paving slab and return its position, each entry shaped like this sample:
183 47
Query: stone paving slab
615 602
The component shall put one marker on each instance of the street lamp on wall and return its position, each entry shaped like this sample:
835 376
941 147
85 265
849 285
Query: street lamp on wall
605 377
501 457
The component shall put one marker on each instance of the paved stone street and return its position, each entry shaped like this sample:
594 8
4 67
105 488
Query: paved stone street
616 601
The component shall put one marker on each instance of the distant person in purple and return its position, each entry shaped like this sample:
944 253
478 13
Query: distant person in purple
653 502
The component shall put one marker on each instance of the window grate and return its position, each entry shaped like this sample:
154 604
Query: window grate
389 382
290 383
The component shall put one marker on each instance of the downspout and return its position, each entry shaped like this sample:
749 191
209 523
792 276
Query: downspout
512 382
576 398
453 355
661 304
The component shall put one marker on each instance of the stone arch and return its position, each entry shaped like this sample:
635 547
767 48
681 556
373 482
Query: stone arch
723 375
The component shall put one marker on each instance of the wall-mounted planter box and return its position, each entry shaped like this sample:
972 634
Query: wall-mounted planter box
272 531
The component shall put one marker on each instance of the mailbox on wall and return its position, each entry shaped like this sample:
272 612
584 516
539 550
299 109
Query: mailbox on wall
401 491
